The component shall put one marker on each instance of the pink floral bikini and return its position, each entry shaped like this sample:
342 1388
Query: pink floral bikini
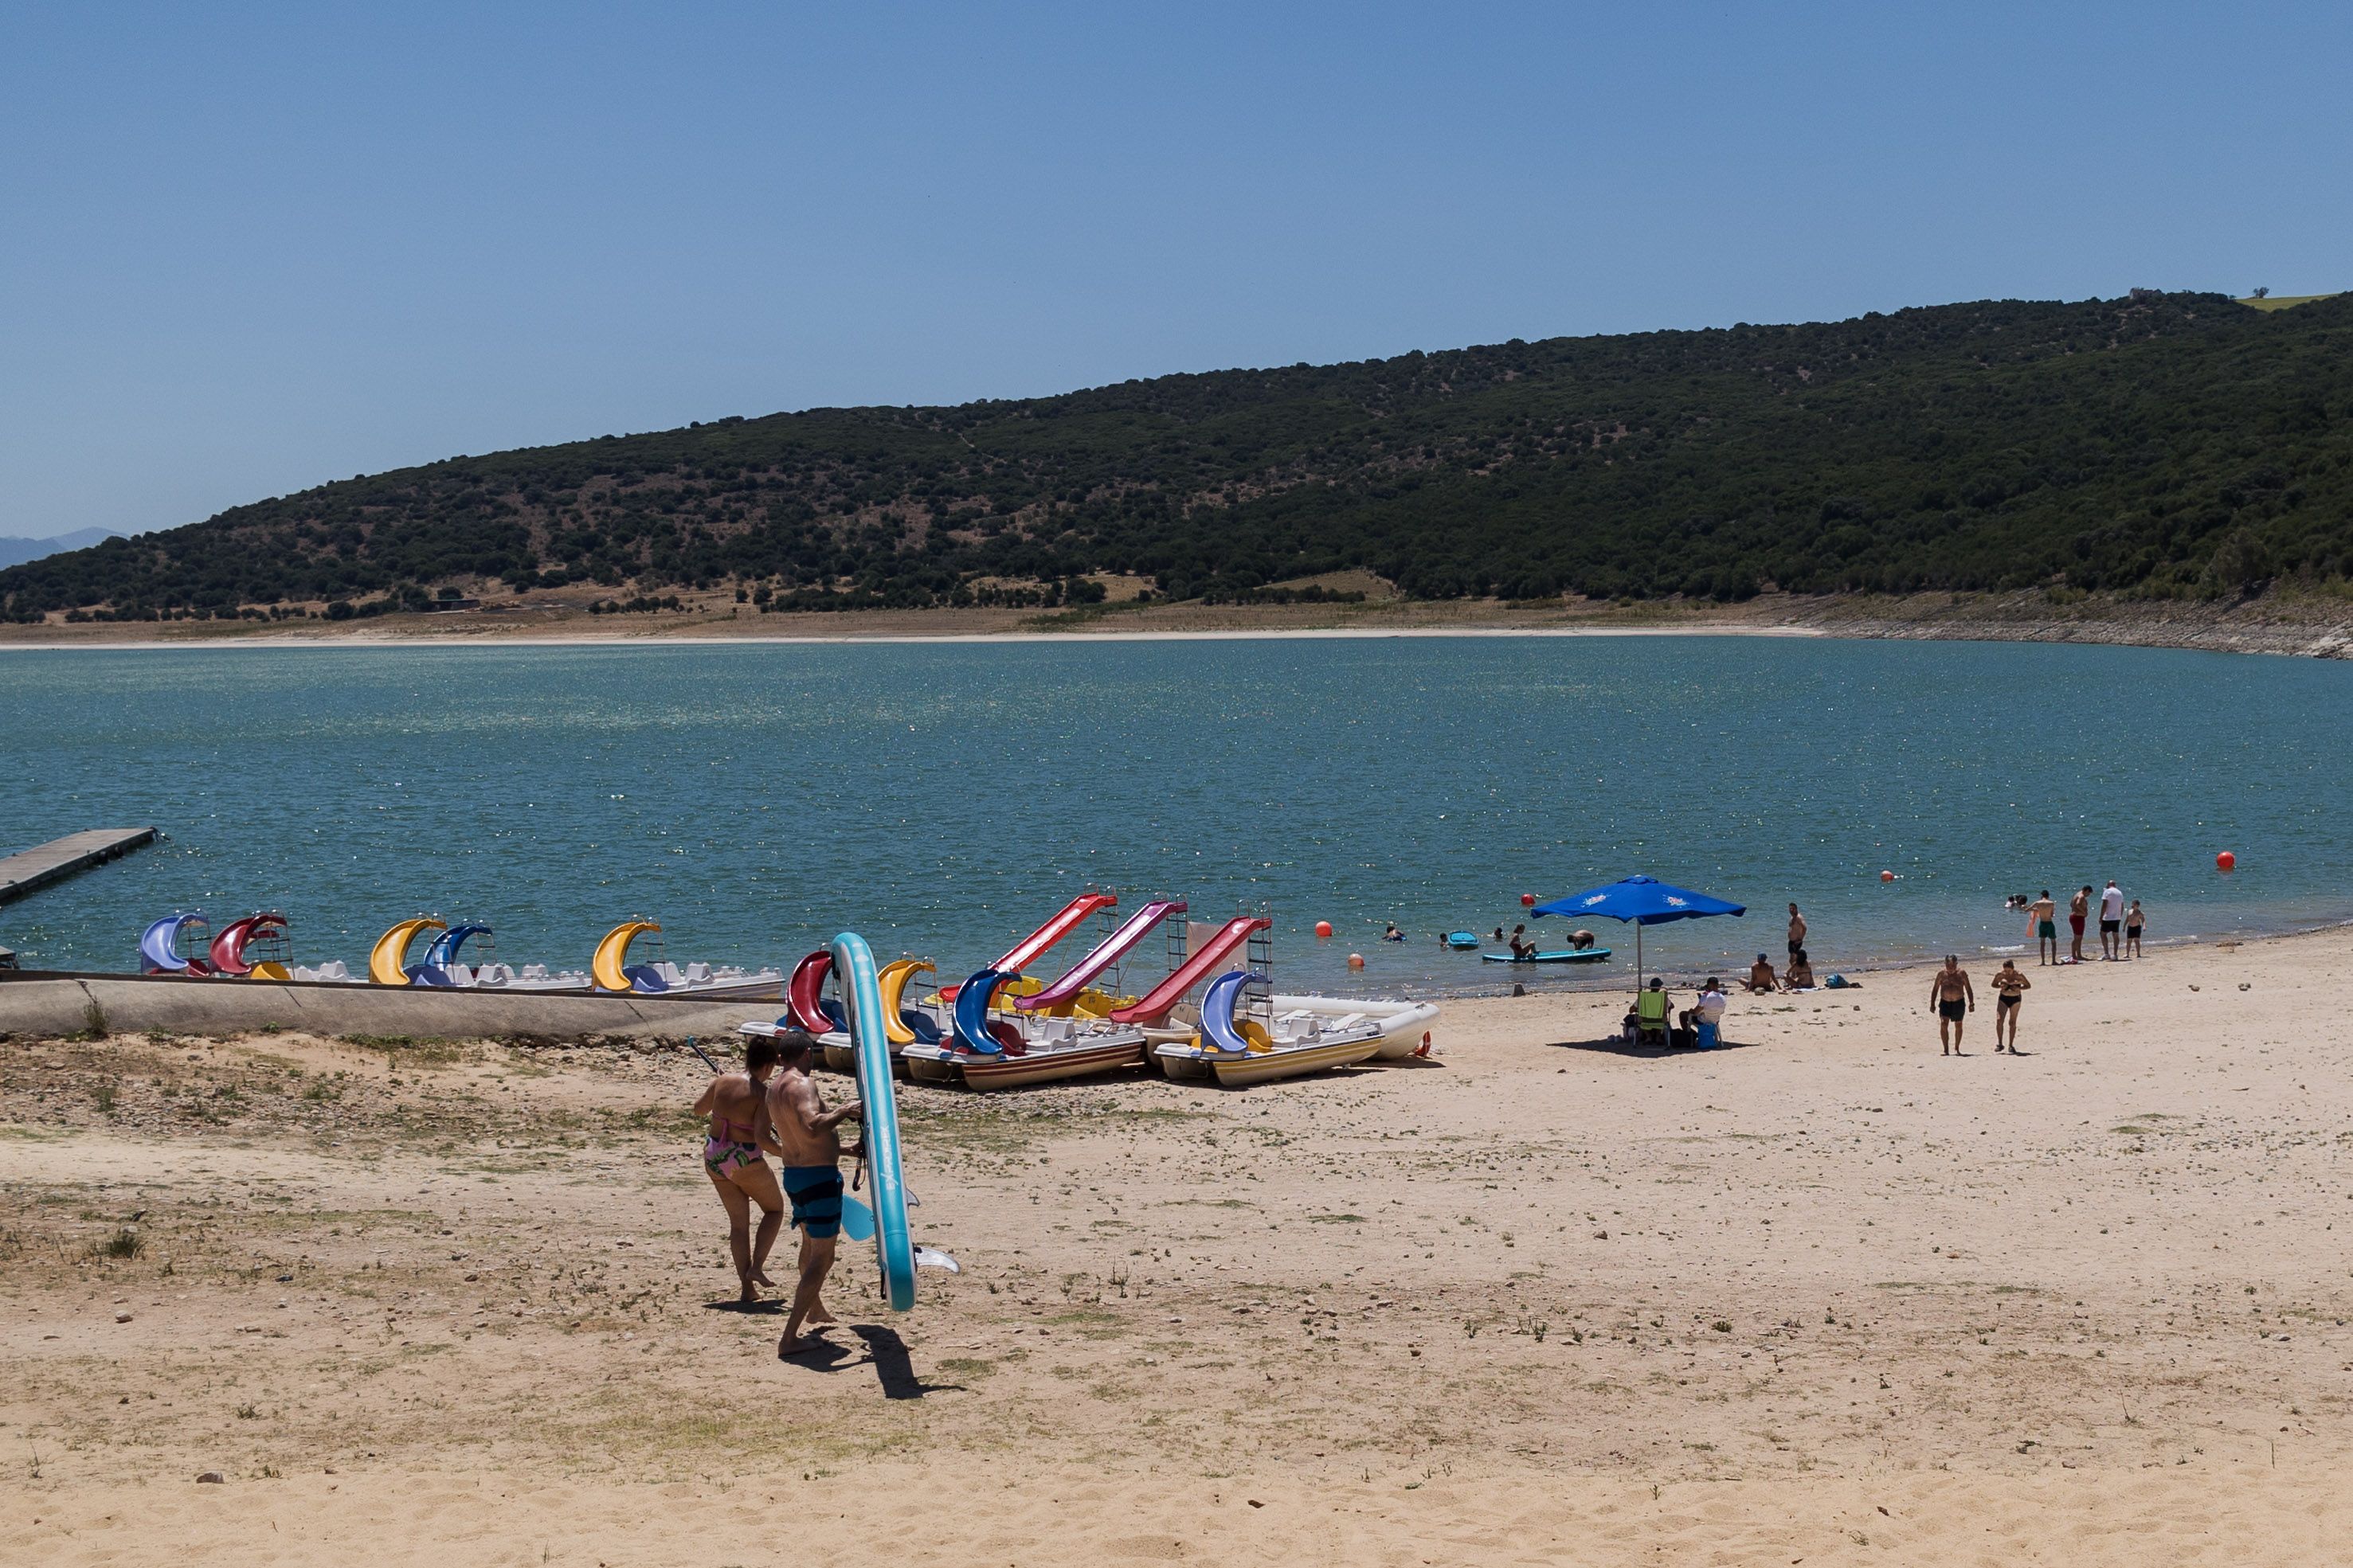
723 1157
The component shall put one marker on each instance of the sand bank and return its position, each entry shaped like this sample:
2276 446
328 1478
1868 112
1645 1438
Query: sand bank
2285 622
1822 1295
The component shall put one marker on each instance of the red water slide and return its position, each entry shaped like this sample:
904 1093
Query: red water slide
1106 953
1074 915
1154 1008
228 947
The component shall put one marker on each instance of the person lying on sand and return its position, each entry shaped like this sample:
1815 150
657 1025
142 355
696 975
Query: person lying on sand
1761 976
804 1134
736 1103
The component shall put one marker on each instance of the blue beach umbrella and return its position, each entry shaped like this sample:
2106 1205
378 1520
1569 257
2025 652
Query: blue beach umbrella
1646 901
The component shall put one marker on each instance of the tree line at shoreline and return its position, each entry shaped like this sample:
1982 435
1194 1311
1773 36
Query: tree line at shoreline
2158 446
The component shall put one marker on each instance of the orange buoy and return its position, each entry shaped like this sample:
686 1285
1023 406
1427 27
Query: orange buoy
1322 930
2226 862
1887 875
1527 901
1355 960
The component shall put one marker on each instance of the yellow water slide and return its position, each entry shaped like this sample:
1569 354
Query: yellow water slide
388 961
613 952
893 983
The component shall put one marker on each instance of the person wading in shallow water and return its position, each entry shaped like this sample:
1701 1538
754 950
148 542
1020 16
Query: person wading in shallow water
1951 998
736 1103
2042 913
804 1134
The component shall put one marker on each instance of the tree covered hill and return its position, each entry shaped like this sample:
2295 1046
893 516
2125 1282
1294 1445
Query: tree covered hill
2162 445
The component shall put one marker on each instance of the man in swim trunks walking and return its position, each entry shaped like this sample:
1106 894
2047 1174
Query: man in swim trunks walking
1952 999
736 1103
2042 913
803 1134
2011 985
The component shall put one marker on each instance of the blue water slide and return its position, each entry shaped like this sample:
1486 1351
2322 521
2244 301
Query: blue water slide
972 1012
158 949
444 951
1217 1030
853 967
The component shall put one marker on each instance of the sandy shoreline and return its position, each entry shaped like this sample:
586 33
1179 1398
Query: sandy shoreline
1323 634
2308 626
1825 1295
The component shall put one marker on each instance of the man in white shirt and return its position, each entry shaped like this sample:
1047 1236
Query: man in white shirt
1708 1008
2111 920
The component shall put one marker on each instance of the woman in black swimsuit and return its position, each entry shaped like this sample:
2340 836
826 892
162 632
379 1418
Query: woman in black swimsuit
2009 985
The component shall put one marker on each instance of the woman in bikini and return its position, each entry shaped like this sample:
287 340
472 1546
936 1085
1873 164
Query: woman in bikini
737 1104
2010 984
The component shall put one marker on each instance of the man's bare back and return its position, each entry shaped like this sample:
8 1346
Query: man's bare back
805 1132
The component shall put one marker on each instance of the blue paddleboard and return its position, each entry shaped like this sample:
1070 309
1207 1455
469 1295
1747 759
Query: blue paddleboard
854 965
1574 955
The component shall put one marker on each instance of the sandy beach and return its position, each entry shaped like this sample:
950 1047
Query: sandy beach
2283 622
1820 1297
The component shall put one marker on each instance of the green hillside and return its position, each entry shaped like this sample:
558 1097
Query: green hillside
2282 301
2163 445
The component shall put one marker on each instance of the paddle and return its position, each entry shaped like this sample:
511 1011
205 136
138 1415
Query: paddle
697 1051
857 1224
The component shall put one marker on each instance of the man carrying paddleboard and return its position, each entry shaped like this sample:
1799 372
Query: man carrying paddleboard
805 1135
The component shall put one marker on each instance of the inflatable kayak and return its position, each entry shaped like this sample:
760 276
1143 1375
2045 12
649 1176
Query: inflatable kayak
1572 955
1462 940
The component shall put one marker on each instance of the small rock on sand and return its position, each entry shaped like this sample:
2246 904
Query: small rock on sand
212 1478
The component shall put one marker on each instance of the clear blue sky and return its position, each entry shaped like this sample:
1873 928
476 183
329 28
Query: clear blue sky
245 249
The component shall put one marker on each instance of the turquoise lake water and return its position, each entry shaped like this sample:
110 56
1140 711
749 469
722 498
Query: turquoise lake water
943 798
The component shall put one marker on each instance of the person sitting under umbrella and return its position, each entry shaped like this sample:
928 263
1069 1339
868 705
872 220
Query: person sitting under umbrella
1652 1008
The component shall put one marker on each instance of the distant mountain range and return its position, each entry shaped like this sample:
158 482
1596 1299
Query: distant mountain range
2158 446
16 552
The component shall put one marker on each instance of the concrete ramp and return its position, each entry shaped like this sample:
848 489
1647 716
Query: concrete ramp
33 1003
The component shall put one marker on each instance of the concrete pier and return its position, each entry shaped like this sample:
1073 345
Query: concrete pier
61 857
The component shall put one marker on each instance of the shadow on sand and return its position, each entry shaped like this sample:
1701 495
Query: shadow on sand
885 1352
1616 1046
